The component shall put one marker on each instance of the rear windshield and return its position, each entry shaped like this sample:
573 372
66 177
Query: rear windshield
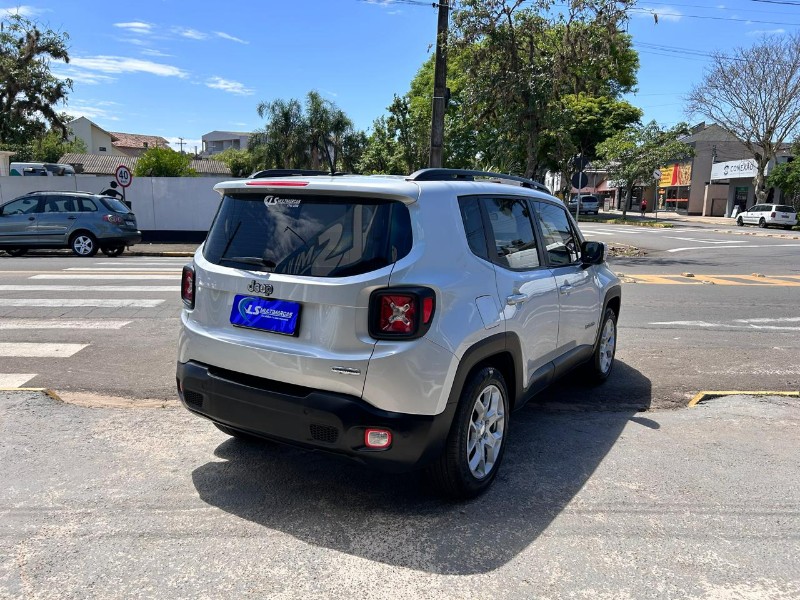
783 208
115 205
318 236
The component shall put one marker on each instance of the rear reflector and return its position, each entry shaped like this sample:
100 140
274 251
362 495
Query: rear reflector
377 439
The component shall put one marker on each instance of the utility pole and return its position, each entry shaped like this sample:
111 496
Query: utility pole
181 144
439 86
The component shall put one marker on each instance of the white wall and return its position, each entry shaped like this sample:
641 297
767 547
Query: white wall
160 203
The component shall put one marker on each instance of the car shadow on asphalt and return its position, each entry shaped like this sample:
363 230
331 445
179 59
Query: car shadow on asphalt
555 444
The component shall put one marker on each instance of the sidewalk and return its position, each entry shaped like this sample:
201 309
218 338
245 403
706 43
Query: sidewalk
670 217
162 249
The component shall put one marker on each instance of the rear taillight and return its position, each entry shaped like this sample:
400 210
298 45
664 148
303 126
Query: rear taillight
187 286
772 215
404 313
116 220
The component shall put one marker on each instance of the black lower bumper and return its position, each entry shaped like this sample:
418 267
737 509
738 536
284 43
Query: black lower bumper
311 418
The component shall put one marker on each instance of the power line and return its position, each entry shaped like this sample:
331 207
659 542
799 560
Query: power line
786 2
681 15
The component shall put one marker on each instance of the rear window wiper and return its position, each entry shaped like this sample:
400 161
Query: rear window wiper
250 260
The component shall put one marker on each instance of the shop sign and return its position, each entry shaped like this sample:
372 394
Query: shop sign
734 169
676 174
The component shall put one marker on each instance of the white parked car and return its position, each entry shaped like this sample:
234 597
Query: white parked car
768 215
396 321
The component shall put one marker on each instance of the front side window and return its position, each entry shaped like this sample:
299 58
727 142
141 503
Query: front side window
563 247
512 232
317 236
21 206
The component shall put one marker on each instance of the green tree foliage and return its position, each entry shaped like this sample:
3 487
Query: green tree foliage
164 162
521 60
786 176
29 92
240 162
635 153
754 94
306 137
49 147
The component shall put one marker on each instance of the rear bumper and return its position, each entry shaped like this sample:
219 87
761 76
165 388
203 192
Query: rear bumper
126 238
311 418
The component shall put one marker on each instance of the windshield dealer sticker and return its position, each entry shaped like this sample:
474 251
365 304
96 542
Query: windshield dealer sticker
275 201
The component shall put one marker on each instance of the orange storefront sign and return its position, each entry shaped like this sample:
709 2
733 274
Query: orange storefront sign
677 174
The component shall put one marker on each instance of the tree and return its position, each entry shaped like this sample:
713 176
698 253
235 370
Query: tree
29 92
521 58
754 94
164 162
635 153
304 137
240 162
786 176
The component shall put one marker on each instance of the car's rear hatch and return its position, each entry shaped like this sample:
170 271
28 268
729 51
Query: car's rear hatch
283 283
784 214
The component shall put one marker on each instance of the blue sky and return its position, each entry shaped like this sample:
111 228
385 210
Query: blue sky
181 69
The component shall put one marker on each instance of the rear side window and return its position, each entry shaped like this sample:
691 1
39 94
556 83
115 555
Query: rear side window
473 226
317 236
512 230
115 205
87 205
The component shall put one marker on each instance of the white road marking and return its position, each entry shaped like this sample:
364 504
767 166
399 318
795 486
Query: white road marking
15 380
125 277
765 320
89 288
148 264
33 350
80 302
58 324
738 325
730 247
125 269
684 239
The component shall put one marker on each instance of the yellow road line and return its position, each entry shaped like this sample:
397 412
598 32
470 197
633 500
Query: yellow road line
664 279
702 396
700 279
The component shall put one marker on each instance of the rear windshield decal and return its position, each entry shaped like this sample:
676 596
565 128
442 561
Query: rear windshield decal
275 201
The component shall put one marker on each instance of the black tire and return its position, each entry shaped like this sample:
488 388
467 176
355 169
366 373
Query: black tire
762 223
83 244
16 251
452 473
602 362
788 227
112 250
238 434
740 222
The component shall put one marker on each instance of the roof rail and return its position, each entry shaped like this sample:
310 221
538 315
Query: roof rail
467 175
290 173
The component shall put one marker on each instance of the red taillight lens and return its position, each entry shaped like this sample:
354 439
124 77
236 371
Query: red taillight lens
398 314
772 215
116 220
187 286
405 312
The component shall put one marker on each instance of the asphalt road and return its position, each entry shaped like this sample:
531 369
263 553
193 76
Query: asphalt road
156 503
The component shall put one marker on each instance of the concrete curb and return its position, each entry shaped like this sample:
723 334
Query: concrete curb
172 254
47 391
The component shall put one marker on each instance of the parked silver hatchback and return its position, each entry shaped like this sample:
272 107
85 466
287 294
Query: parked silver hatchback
81 221
395 321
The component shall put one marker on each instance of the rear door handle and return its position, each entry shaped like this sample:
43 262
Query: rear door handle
72 218
564 289
31 218
516 299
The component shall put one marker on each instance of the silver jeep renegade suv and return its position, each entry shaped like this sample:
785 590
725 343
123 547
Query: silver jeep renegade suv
394 320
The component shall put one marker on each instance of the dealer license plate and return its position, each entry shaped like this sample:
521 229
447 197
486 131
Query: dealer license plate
266 314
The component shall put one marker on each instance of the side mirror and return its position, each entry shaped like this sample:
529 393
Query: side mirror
593 253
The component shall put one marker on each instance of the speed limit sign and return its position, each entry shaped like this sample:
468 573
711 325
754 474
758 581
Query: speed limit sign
123 176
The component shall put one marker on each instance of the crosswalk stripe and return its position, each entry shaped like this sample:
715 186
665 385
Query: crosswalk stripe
15 380
80 302
37 350
146 264
89 288
124 269
107 277
61 324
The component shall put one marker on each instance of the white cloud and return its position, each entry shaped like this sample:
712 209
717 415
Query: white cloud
24 11
226 85
721 6
192 34
136 27
101 110
152 52
227 36
120 64
63 71
665 13
763 32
